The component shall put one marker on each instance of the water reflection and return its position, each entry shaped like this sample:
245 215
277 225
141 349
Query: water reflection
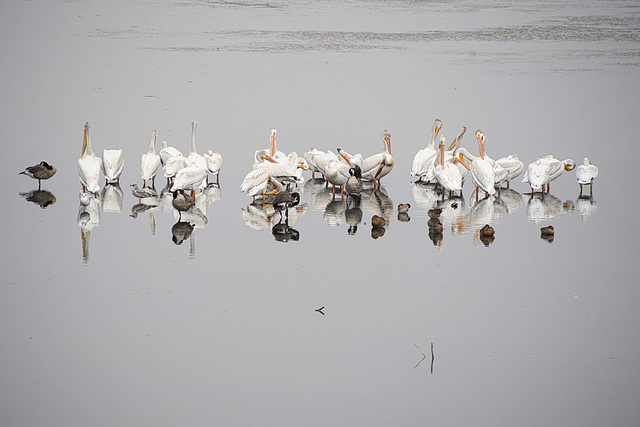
88 219
283 233
180 232
542 207
585 207
112 198
42 198
353 215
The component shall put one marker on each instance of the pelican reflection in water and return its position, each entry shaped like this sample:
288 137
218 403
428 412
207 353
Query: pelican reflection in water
112 198
88 219
42 198
543 207
585 207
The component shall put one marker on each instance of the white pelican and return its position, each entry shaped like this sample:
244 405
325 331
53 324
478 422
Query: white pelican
173 165
513 165
150 161
190 178
337 173
448 154
214 164
89 164
482 173
193 155
557 167
167 152
112 164
586 173
446 173
375 167
267 171
322 158
309 156
42 170
537 175
424 159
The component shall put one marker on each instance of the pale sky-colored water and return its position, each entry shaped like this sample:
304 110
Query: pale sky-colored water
222 329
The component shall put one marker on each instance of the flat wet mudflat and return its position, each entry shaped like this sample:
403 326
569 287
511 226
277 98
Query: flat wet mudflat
118 309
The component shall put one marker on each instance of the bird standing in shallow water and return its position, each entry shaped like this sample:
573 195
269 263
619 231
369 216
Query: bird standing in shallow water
354 182
284 200
586 173
182 202
42 170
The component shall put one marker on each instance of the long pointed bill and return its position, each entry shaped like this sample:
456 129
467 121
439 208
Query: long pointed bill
461 159
84 141
388 140
273 143
481 147
344 155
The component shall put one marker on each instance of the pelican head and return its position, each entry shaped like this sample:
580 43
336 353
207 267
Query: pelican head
194 124
456 141
435 129
386 141
482 141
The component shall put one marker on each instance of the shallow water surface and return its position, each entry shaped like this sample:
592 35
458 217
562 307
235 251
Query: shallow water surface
115 312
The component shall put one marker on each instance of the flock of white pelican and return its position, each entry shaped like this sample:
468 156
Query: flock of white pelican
183 173
272 171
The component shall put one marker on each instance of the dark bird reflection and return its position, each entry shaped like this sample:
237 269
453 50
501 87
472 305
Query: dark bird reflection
586 206
283 233
42 198
180 232
353 215
88 219
112 198
148 201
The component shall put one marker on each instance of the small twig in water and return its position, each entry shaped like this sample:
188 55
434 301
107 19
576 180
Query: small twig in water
319 310
424 356
432 357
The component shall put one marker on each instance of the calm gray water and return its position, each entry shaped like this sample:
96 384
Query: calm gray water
106 321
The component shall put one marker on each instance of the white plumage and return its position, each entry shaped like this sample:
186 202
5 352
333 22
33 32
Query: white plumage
89 165
423 162
150 161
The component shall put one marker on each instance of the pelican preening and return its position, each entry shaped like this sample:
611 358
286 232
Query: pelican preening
446 172
112 165
42 170
89 165
586 173
423 162
150 162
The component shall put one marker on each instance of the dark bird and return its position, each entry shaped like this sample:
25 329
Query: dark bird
434 213
487 230
182 202
353 186
42 170
547 231
284 200
377 221
403 207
